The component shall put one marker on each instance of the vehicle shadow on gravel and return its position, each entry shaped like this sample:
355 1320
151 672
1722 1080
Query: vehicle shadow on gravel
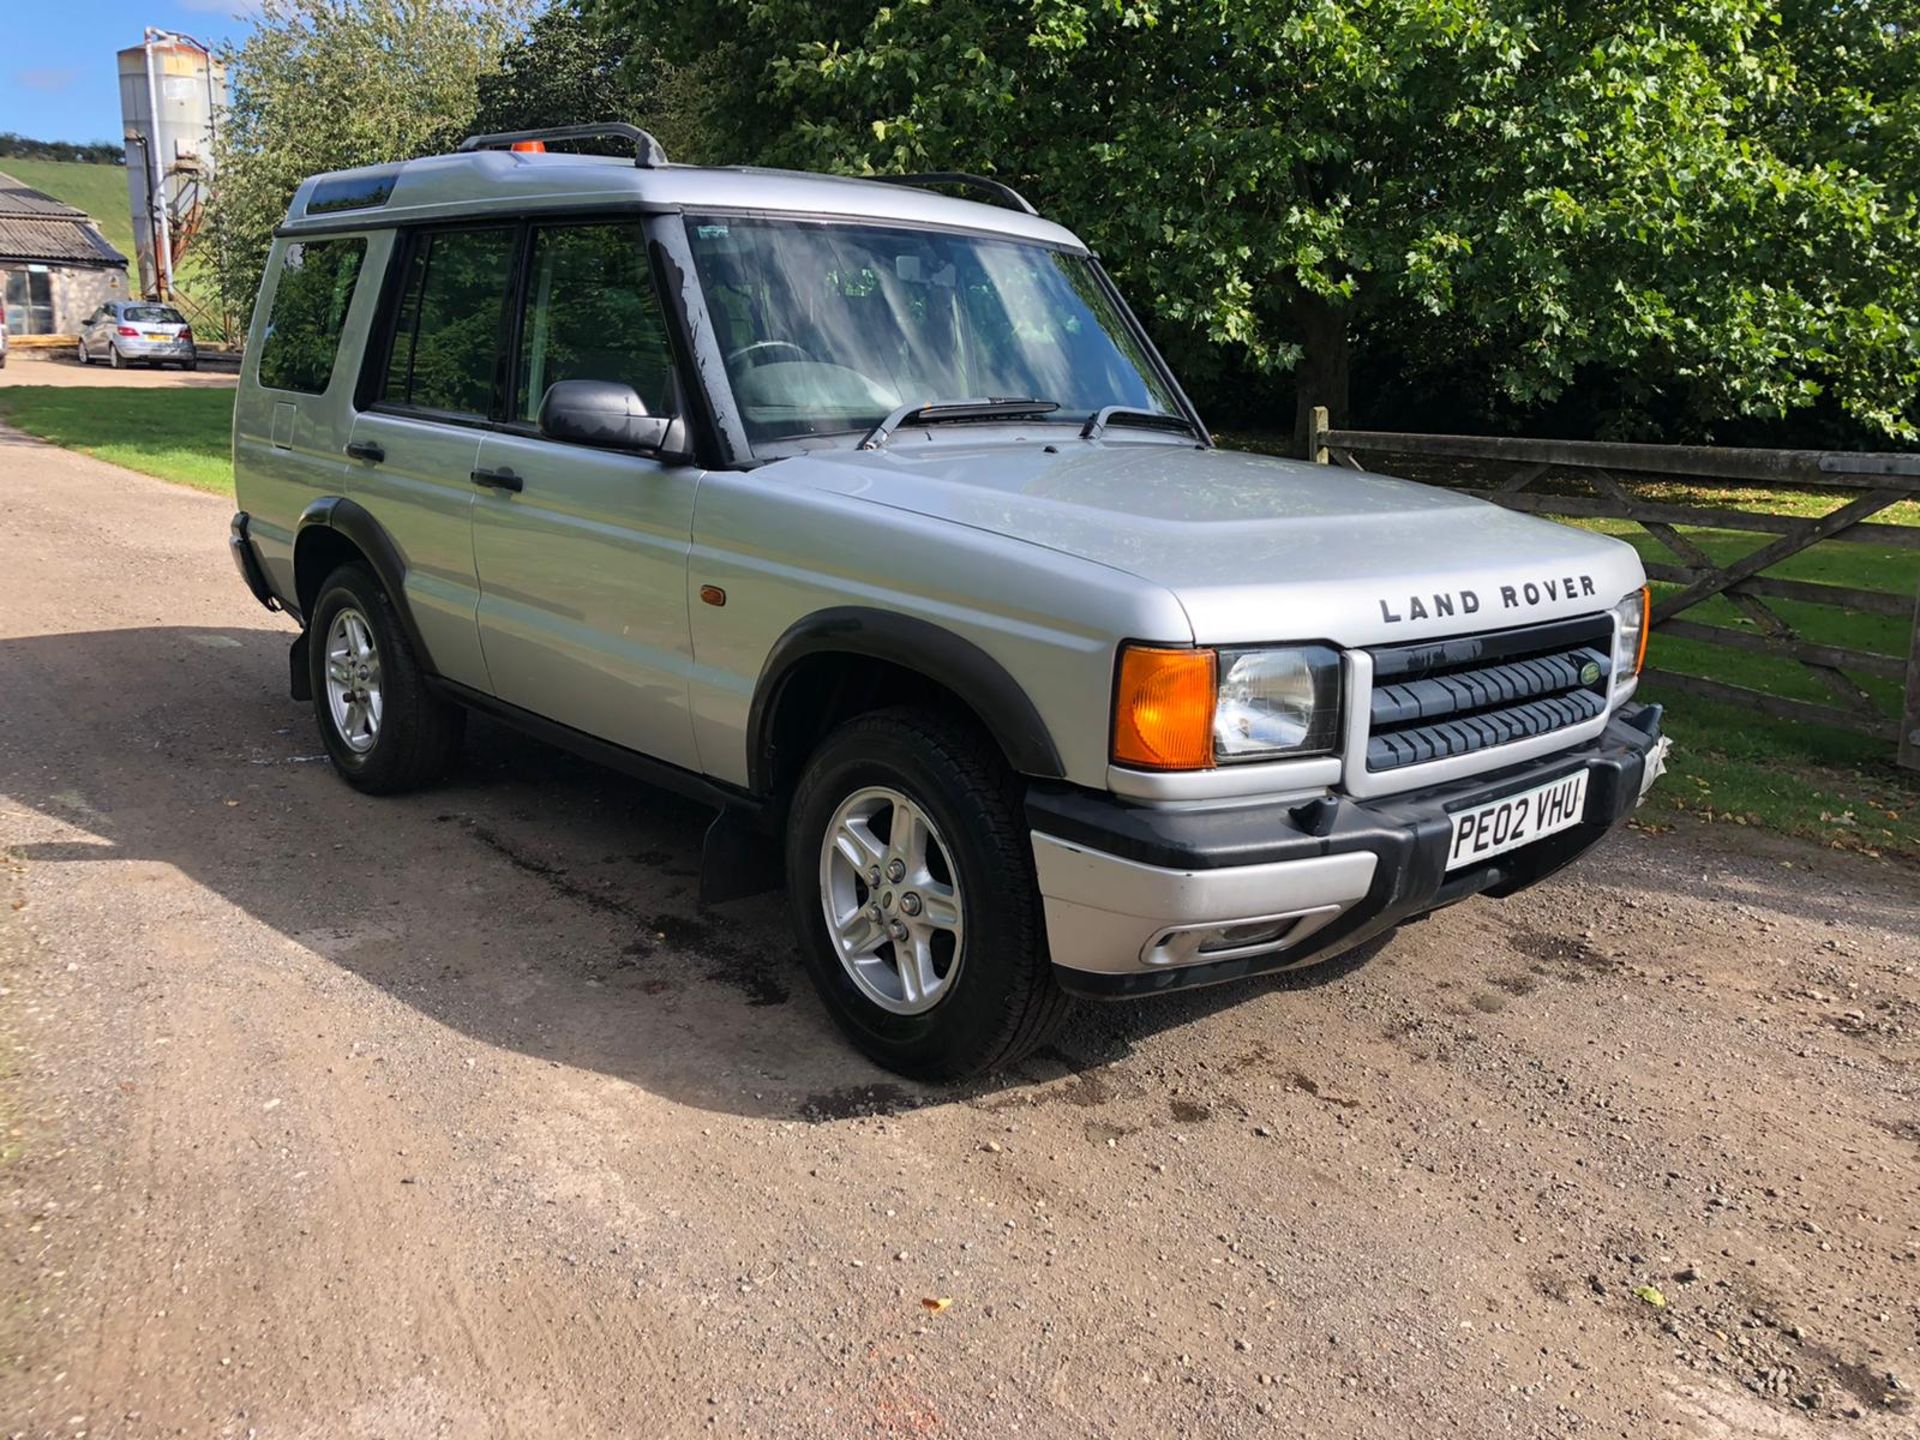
533 902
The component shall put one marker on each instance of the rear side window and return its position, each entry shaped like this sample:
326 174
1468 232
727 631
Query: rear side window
592 315
447 330
309 308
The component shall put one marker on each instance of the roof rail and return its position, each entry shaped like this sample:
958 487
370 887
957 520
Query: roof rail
647 154
1005 194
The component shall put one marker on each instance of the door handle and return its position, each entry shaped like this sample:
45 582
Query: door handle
366 450
498 480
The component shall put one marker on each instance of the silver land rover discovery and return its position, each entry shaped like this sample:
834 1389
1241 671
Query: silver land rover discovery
871 516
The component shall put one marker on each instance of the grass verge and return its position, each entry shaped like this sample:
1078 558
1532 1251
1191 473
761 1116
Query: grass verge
178 435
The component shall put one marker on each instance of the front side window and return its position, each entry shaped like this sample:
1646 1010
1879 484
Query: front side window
828 327
447 331
309 308
592 314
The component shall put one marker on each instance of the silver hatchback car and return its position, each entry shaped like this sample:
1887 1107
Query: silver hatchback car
123 331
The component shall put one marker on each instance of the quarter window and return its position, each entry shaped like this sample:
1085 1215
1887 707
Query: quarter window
592 314
309 308
446 338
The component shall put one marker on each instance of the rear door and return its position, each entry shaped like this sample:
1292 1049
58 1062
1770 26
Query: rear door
415 445
583 568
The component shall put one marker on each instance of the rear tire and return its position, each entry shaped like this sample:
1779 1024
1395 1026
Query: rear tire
189 364
384 729
115 359
995 1000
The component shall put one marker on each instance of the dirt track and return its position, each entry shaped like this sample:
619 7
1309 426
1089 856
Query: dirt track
324 1116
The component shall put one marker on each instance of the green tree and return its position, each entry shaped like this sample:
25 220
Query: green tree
327 84
1521 190
565 71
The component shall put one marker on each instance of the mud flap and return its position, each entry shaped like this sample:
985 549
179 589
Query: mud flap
738 858
299 677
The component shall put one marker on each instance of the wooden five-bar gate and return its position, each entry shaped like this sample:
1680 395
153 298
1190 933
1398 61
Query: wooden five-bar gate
1598 479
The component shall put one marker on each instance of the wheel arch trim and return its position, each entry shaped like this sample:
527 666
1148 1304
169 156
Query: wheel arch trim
355 525
949 660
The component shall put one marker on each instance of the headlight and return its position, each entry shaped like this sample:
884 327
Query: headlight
1630 639
1180 709
1275 702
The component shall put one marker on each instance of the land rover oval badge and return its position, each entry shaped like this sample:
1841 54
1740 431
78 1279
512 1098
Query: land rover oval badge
1590 673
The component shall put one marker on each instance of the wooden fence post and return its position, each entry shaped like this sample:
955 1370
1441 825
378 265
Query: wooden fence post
1317 436
1909 753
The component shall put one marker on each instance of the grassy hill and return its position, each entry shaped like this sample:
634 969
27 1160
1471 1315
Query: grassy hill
100 190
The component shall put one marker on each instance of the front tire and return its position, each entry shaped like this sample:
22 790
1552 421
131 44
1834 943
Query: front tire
80 349
910 875
384 729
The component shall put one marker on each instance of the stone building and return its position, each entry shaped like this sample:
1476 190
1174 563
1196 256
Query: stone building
55 265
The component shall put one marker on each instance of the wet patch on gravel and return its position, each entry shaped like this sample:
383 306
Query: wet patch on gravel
758 973
1561 957
850 1102
1307 1085
555 877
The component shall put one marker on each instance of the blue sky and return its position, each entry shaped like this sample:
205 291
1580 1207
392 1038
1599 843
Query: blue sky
57 77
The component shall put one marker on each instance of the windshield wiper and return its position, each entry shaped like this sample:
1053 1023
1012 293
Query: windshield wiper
932 412
1130 415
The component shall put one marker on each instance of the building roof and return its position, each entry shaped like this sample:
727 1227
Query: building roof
39 229
487 181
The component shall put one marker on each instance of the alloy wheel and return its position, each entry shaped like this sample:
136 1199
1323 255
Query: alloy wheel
892 900
353 680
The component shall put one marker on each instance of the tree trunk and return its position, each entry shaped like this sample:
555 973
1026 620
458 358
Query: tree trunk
1322 375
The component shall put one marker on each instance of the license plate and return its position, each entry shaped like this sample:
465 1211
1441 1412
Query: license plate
1516 820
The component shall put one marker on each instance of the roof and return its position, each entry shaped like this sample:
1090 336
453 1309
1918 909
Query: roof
38 228
511 183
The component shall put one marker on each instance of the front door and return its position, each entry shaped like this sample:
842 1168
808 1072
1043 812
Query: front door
583 567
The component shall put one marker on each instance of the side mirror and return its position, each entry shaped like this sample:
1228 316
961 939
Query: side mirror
604 413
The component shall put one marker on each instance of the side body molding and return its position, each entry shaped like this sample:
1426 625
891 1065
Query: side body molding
352 523
913 644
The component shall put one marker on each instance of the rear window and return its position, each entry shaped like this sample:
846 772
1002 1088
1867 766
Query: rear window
309 309
154 315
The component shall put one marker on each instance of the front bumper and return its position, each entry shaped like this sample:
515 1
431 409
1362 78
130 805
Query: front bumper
1131 890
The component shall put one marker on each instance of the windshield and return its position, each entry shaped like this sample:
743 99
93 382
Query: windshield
154 315
828 327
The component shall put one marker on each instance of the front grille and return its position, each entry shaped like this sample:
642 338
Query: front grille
1452 697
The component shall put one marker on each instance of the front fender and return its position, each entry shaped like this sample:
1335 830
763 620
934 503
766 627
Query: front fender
913 644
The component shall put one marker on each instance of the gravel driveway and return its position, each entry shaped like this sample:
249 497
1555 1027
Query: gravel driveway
324 1116
61 368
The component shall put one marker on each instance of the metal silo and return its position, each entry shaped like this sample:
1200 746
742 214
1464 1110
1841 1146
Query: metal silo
171 91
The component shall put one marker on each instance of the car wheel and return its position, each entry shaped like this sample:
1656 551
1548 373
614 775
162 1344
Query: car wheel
80 350
385 730
910 875
114 358
189 364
